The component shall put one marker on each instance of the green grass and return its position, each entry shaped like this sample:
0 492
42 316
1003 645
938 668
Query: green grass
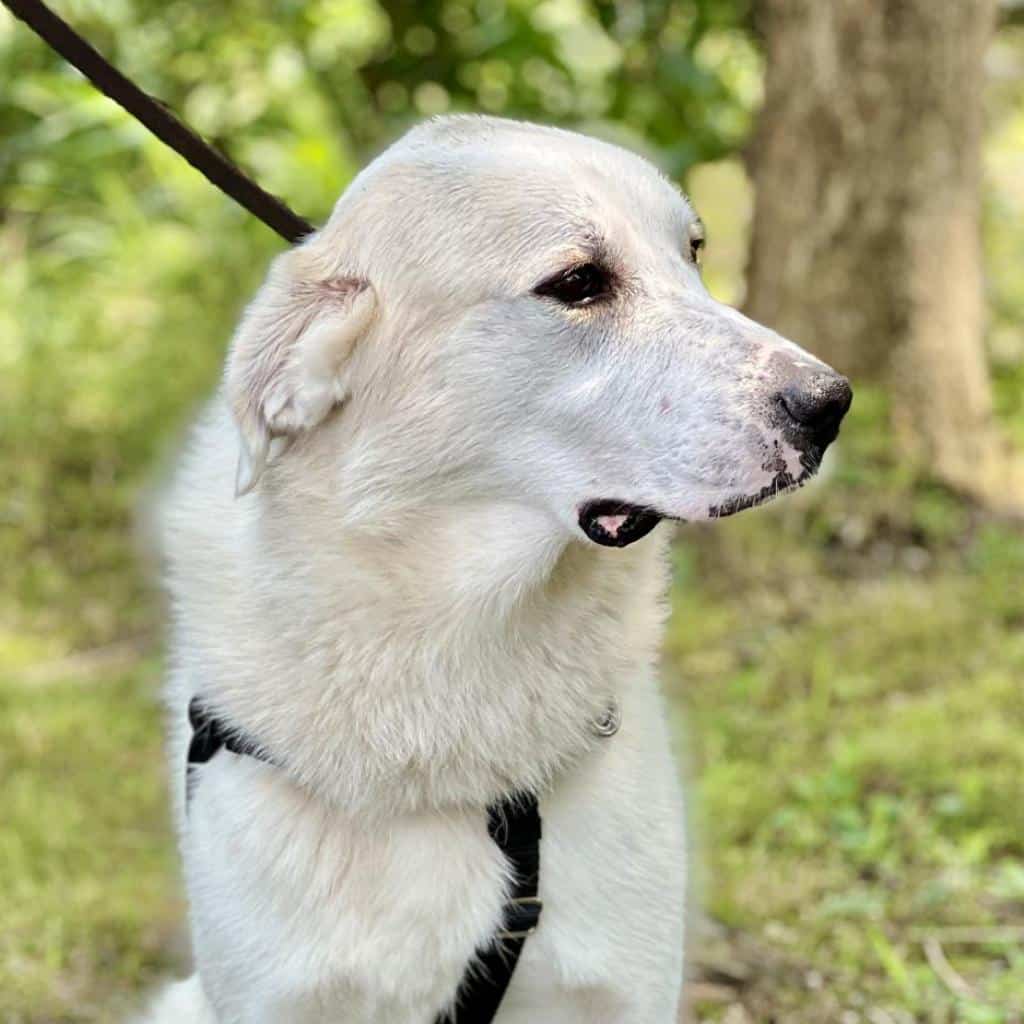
89 908
859 749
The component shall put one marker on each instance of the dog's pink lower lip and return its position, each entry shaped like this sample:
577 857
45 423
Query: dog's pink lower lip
614 523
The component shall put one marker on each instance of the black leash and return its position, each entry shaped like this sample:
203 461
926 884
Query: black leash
160 120
514 825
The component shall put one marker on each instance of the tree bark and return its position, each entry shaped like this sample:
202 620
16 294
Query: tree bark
866 244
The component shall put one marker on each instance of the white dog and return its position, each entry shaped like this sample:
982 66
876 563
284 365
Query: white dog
457 411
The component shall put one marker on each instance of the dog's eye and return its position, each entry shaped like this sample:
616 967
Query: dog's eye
696 248
577 286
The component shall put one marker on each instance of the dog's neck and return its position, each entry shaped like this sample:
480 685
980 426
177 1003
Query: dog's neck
451 658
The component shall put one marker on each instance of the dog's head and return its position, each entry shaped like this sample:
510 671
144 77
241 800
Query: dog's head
503 313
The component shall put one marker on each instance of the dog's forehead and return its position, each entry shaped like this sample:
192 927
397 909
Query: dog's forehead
466 185
559 173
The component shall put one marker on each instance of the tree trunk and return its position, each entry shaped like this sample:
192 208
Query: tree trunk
865 245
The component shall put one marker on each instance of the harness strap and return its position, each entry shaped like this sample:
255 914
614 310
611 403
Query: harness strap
209 734
513 824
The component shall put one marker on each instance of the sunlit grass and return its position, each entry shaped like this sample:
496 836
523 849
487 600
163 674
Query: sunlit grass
89 909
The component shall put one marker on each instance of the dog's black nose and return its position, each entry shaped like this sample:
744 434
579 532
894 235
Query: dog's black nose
816 405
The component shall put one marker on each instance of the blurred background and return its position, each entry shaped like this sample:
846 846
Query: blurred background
845 669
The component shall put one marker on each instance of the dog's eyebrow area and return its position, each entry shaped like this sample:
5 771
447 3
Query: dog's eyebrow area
589 246
584 275
578 245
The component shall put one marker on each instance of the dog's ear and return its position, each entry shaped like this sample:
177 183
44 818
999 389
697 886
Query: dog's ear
289 358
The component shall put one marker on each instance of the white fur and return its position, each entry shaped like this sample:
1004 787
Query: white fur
402 607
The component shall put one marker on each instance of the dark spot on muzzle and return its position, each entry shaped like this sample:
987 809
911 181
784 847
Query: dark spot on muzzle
782 483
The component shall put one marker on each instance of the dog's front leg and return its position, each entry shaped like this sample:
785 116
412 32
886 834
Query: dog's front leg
304 914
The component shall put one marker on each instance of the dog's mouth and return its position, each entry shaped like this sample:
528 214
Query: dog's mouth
617 524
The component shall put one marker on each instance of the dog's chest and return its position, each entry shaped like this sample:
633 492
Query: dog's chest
383 920
613 883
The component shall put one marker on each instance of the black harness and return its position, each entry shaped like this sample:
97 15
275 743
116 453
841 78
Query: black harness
514 825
